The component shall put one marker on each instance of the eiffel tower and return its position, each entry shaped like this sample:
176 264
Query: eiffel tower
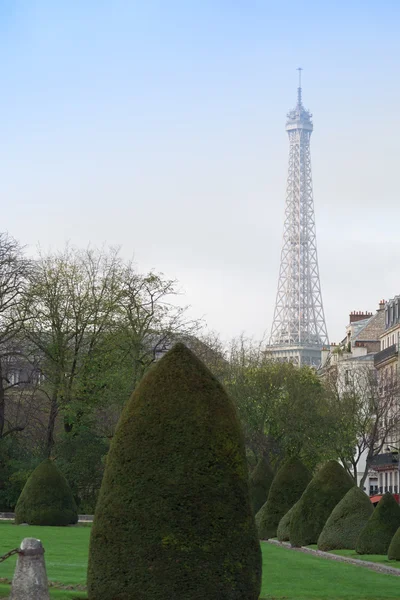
299 331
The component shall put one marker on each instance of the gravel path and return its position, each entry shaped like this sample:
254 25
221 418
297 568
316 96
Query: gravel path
352 561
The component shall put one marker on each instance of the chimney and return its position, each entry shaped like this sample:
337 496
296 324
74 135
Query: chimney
358 315
382 304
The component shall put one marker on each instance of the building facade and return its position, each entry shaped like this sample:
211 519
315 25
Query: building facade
350 367
386 363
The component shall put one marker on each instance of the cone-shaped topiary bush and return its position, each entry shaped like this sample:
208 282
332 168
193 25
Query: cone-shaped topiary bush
346 521
283 531
320 497
377 534
394 548
287 487
174 517
46 498
260 483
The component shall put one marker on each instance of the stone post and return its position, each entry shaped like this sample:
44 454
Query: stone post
30 578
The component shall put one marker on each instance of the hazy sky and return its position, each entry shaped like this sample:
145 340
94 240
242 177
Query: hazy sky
160 126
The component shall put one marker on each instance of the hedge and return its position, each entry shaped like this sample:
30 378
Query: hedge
46 498
346 521
320 497
283 531
377 534
394 548
260 483
174 517
287 487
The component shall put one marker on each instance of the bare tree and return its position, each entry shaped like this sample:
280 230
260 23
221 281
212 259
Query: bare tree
369 409
14 272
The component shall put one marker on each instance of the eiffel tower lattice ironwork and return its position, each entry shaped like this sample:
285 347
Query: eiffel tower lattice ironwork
299 331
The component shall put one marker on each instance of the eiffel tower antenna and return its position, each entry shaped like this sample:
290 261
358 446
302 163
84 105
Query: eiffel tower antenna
299 331
299 88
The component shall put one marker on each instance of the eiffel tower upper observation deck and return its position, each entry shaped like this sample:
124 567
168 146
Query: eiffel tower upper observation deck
299 331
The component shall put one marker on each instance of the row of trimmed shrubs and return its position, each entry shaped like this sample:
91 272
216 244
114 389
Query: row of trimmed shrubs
328 510
173 518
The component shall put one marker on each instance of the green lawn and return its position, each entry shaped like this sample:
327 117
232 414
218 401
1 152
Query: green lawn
66 550
296 576
287 574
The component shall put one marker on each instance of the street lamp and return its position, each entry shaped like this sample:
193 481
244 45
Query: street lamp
394 451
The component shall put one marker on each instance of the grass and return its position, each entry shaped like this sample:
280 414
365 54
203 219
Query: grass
377 558
293 575
66 550
287 575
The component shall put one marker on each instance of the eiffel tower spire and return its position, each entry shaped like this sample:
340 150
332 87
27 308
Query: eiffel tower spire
299 331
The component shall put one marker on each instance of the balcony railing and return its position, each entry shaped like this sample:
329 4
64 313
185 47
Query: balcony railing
386 354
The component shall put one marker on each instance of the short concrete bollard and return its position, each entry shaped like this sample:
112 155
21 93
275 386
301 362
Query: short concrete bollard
30 578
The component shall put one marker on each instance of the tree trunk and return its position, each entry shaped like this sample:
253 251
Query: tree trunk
355 473
2 402
365 474
51 423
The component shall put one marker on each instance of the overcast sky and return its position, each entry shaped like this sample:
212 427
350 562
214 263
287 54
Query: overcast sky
159 126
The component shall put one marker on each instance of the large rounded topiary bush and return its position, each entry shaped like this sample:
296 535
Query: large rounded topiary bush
320 497
283 531
394 548
174 517
46 498
346 521
377 534
288 485
260 483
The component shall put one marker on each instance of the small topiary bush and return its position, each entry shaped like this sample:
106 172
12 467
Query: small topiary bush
283 531
320 497
394 548
46 498
174 518
260 483
287 487
346 521
377 534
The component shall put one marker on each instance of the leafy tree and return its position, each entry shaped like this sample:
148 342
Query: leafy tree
81 457
346 521
17 461
285 411
97 326
260 482
287 487
71 301
46 498
377 534
175 493
320 497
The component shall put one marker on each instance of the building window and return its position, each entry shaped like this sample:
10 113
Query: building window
14 377
346 377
